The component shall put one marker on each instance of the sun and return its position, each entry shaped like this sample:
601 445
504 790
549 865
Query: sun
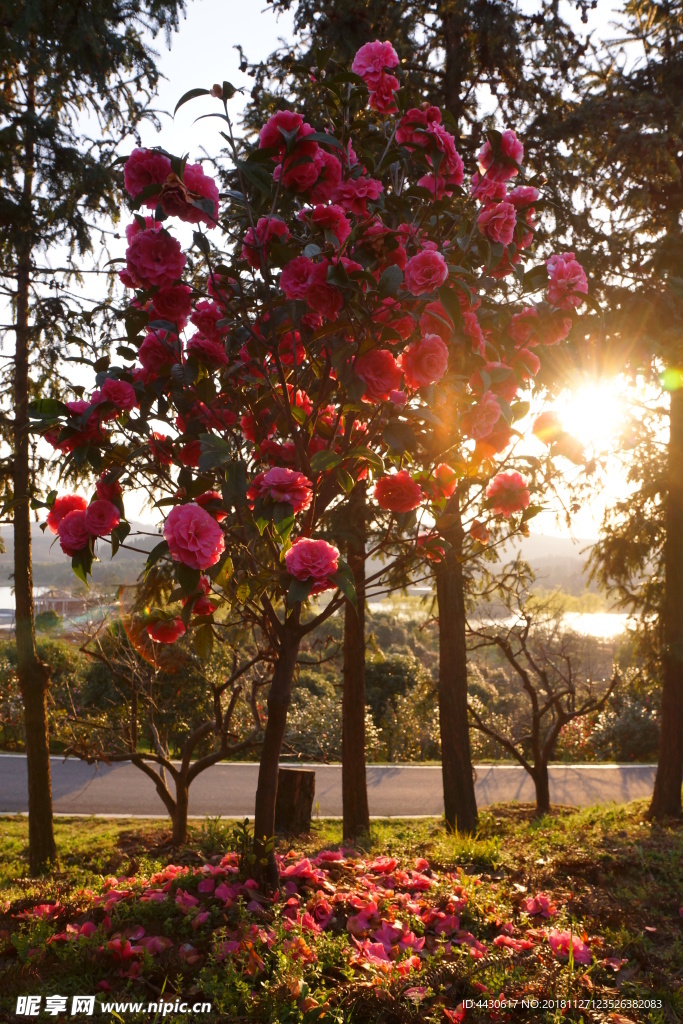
593 413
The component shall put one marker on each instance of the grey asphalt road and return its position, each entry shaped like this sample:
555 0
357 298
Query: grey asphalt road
393 790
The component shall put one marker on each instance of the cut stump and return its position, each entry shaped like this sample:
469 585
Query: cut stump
294 804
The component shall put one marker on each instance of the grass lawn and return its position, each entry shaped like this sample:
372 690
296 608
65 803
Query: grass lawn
412 927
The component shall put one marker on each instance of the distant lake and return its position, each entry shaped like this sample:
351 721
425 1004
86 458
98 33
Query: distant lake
7 597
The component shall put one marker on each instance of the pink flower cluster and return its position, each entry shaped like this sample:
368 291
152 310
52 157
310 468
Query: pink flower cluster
315 560
374 62
193 536
508 493
77 523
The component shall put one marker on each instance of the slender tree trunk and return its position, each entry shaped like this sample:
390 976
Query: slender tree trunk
33 675
182 801
542 784
266 791
354 785
456 761
454 21
666 799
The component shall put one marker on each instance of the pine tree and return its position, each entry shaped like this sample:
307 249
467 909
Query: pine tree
77 76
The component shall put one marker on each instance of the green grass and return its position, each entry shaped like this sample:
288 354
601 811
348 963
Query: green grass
617 877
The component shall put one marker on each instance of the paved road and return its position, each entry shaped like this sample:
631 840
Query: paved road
393 790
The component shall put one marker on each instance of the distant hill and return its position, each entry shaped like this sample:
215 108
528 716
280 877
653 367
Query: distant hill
51 567
556 561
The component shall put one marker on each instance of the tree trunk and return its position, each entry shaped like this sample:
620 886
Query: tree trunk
542 784
456 762
266 790
33 675
666 799
455 25
179 815
294 803
356 814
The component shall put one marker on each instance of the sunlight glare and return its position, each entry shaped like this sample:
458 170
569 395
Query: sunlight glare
593 413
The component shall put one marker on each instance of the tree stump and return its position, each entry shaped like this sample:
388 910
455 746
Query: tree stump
294 804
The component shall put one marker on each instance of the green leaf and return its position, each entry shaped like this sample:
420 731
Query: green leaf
399 437
82 564
46 408
202 641
215 452
390 281
345 480
322 461
519 410
343 579
535 278
118 535
449 301
530 512
299 590
234 489
225 573
187 578
283 519
367 454
155 554
190 95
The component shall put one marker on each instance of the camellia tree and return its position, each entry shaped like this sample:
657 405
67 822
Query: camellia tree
314 363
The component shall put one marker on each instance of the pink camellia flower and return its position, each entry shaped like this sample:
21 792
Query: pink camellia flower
446 479
381 374
425 272
383 97
479 532
398 492
562 942
372 60
120 393
166 631
425 361
355 193
328 218
501 167
212 501
211 353
155 258
296 277
323 297
194 537
142 168
473 331
255 245
486 189
479 421
508 493
567 282
511 943
158 352
547 428
61 508
173 303
282 485
270 136
525 363
101 517
109 489
74 535
539 906
497 222
205 317
187 198
502 380
316 560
